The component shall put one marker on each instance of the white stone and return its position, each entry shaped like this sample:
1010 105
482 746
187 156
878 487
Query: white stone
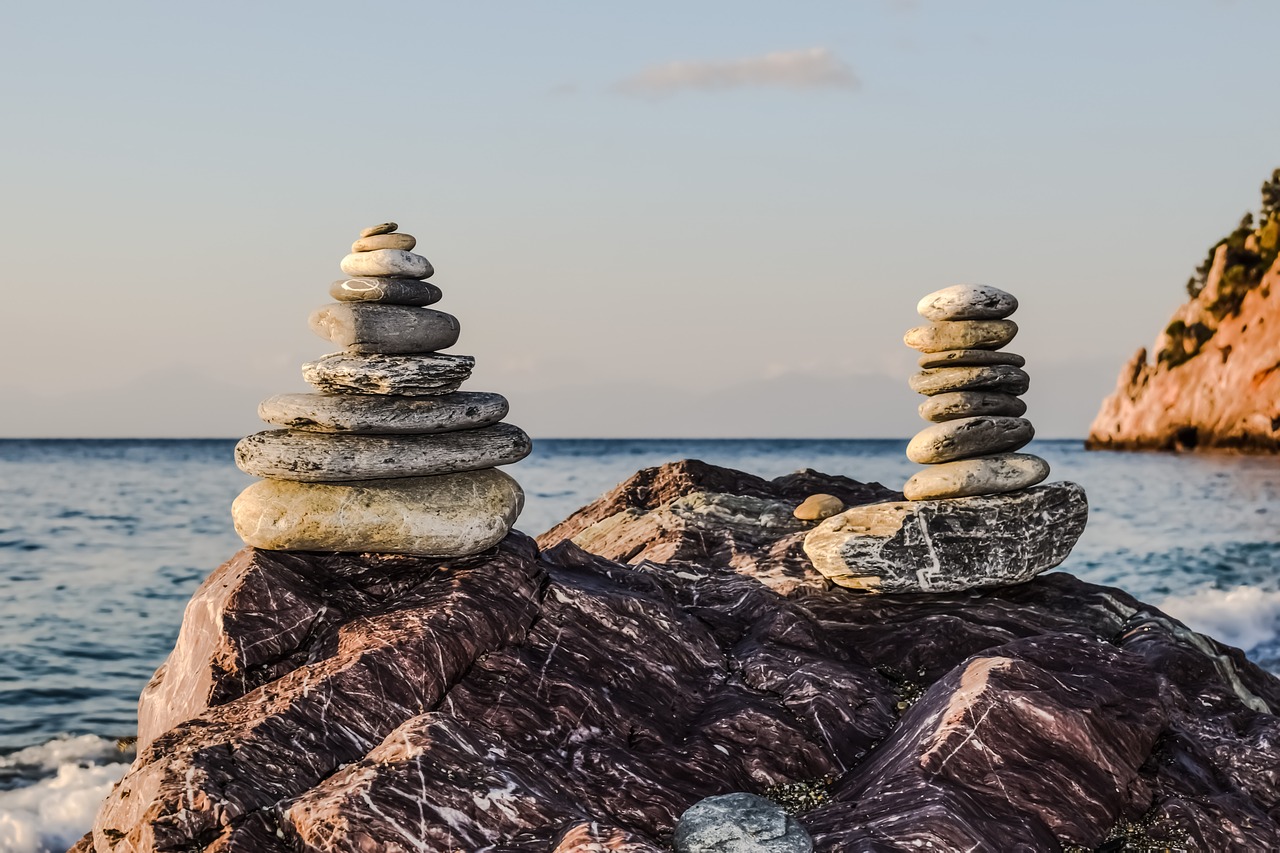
389 262
967 302
987 475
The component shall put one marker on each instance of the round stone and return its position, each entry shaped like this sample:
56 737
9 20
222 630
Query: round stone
316 457
739 823
451 515
384 241
376 413
997 377
818 507
970 358
372 327
382 228
389 291
960 334
966 438
967 302
407 375
987 475
388 262
966 404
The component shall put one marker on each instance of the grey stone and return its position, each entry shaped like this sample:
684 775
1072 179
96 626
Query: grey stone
377 328
739 823
818 507
388 262
966 404
451 515
379 413
986 475
965 438
390 291
996 377
383 228
960 334
950 545
970 358
967 302
407 375
315 457
385 241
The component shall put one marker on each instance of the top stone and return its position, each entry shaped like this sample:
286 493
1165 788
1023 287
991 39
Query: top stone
967 302
383 228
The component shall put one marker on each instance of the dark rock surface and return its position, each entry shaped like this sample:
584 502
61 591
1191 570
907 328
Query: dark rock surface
560 700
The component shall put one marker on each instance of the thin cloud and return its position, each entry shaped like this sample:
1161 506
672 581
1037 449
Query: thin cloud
815 68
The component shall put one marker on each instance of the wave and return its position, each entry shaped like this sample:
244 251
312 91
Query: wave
1245 617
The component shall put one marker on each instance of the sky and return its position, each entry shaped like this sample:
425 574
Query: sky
654 219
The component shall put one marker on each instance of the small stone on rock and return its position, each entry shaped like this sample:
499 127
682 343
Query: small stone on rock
372 327
961 334
967 302
970 358
384 228
739 823
966 438
818 507
388 291
383 413
986 475
995 377
407 375
967 404
388 262
384 241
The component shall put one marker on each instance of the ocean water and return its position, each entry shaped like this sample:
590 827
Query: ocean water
103 542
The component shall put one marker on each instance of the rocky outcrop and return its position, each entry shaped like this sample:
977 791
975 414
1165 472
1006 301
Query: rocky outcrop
542 697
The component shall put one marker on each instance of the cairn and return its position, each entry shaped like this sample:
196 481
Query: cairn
973 389
389 456
975 516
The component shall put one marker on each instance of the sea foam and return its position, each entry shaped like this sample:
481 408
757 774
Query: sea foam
1245 617
66 780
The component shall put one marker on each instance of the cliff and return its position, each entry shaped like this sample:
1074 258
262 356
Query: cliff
668 643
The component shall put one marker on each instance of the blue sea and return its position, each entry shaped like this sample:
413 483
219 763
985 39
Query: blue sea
103 542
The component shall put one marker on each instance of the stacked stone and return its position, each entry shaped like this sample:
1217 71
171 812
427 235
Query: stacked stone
389 456
973 389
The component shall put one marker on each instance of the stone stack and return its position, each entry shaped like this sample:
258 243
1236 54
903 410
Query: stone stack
389 456
973 389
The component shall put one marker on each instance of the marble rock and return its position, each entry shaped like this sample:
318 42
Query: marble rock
965 438
379 413
970 358
950 545
408 375
388 262
967 302
988 475
818 507
374 242
960 334
448 515
739 823
965 404
1003 378
378 328
314 457
383 228
390 291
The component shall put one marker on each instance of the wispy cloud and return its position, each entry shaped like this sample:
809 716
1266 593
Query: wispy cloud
815 68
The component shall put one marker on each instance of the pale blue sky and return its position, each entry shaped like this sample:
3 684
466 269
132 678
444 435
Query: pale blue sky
181 180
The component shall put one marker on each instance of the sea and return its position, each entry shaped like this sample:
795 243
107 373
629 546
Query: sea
103 541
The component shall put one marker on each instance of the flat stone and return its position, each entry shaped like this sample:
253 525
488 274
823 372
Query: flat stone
996 377
388 262
383 228
407 375
390 291
986 475
957 334
739 823
967 302
966 438
970 358
373 327
315 457
950 545
966 404
385 241
378 413
451 515
818 507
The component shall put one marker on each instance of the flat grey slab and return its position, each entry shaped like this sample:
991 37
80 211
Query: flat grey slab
985 475
970 358
961 334
313 457
408 375
739 823
967 302
381 413
966 404
950 545
394 329
391 291
1004 378
964 438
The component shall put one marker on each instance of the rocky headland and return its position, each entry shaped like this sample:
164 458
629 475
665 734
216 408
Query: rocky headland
1211 381
672 642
